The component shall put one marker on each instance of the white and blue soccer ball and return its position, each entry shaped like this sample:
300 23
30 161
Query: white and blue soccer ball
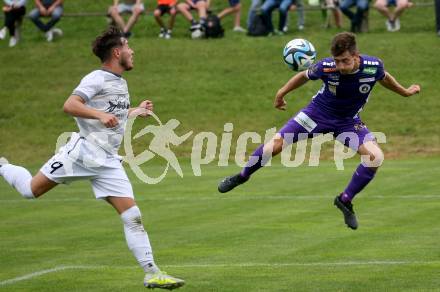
299 54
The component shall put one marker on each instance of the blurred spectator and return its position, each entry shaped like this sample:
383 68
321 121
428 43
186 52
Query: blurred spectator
133 7
437 16
355 17
165 6
299 7
393 22
266 10
47 8
14 11
197 27
253 9
235 8
333 7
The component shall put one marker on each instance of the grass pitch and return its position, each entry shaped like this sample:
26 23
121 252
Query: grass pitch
278 232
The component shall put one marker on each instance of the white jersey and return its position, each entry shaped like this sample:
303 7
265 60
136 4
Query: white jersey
106 92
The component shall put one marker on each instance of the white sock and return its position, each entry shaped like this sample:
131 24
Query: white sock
137 239
19 178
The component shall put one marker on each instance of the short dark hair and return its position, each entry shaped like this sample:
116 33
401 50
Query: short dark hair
104 43
342 42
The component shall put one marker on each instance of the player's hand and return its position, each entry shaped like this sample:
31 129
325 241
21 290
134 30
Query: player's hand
147 107
109 120
280 103
413 89
7 8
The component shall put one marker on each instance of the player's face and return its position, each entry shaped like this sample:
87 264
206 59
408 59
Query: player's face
126 57
346 63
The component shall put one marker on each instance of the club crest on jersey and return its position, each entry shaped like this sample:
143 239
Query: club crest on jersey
364 88
370 70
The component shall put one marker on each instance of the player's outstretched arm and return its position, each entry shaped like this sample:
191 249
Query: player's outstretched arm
296 81
391 83
75 106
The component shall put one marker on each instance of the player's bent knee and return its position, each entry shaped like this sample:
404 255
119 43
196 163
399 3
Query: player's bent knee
374 159
274 146
132 218
156 13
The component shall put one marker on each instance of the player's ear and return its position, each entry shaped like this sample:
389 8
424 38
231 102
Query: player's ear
116 52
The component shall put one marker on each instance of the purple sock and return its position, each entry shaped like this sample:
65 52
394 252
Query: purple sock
251 166
361 177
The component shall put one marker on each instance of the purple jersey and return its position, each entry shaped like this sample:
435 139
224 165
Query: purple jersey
341 95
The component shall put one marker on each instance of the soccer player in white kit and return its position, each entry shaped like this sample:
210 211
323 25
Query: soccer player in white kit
100 105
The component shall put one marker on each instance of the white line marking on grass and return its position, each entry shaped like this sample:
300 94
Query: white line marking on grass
43 272
239 265
232 197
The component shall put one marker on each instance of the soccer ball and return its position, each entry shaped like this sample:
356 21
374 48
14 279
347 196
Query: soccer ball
299 54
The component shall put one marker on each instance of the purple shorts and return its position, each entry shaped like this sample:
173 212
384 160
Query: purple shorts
310 121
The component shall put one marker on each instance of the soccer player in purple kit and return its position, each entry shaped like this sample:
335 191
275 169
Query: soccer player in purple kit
348 78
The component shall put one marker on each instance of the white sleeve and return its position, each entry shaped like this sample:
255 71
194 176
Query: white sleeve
89 86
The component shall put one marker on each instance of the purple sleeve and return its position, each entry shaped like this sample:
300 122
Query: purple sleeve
380 73
315 71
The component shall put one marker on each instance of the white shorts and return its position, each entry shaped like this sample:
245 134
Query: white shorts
127 8
81 160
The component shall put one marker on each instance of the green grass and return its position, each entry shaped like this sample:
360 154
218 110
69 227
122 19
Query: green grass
278 232
205 84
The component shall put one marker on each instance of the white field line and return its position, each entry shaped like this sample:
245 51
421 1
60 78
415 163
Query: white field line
234 198
240 265
42 272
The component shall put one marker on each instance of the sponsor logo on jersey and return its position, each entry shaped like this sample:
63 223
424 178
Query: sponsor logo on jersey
327 70
363 80
305 121
120 103
370 70
364 88
333 83
371 63
333 76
